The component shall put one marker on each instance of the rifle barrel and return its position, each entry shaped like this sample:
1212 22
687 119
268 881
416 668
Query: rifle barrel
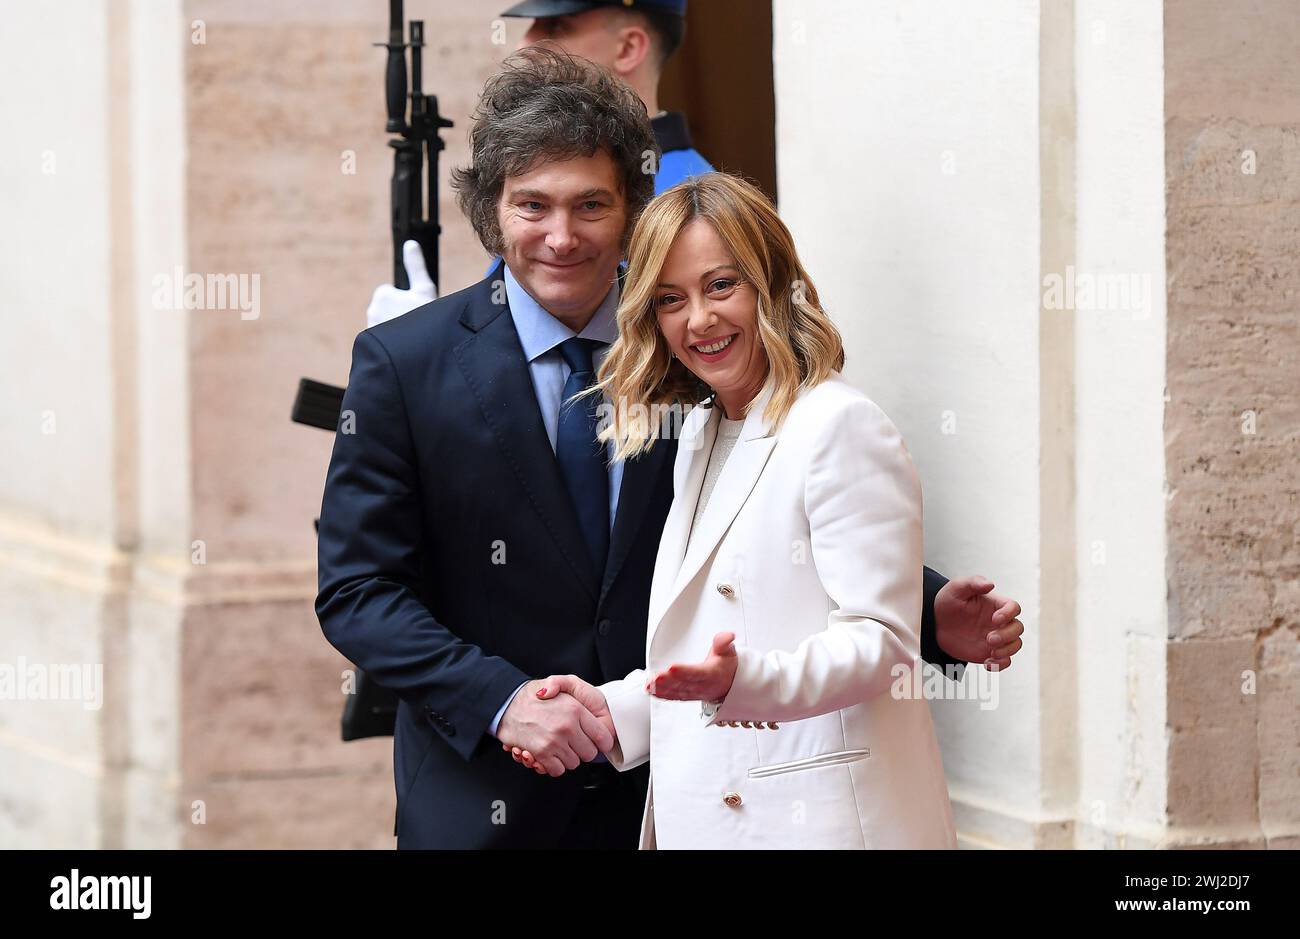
417 63
395 78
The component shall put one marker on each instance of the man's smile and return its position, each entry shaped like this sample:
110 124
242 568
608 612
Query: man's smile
562 265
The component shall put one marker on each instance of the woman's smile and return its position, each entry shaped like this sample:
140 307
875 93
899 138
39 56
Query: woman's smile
714 350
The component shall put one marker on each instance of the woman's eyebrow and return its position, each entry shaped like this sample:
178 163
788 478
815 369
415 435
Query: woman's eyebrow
707 274
713 270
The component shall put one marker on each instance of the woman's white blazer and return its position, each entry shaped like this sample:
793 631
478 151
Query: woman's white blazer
810 551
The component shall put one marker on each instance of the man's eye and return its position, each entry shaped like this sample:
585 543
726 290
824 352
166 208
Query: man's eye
591 205
532 206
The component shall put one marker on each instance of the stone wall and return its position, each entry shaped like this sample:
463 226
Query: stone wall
1232 421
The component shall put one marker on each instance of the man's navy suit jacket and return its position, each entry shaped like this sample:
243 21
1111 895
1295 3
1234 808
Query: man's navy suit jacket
452 568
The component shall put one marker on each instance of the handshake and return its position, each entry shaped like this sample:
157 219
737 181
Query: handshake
555 724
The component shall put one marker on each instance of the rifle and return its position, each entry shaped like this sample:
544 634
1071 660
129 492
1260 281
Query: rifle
371 710
417 139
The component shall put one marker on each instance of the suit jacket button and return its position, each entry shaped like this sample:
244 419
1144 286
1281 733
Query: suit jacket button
727 590
603 627
732 800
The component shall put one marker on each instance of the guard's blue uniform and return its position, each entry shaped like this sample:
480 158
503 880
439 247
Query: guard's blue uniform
680 159
678 165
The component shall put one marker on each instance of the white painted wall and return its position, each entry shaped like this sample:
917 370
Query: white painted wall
907 158
158 161
158 205
93 181
1120 356
56 508
54 278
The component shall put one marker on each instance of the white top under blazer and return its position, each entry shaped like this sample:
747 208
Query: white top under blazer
810 551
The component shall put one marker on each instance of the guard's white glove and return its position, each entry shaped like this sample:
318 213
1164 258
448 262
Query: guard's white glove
388 302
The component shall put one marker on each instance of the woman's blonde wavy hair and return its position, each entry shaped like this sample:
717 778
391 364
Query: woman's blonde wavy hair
640 376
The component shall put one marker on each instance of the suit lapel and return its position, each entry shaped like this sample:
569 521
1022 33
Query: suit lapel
640 477
497 372
744 467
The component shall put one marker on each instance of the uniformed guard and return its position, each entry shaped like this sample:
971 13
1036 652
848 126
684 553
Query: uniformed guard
634 39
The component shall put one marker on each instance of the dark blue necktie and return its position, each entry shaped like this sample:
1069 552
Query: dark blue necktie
581 455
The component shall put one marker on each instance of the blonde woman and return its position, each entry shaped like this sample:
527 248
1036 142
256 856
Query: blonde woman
792 553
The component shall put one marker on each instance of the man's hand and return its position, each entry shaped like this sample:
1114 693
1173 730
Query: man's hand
560 734
977 626
587 696
388 302
710 680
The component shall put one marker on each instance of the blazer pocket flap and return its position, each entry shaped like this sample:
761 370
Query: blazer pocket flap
837 758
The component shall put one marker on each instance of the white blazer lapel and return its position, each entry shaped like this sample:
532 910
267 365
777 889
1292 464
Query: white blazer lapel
739 476
698 433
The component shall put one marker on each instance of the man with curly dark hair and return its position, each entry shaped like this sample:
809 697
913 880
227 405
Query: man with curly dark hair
547 112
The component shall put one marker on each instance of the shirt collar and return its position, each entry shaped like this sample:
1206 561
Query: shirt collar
540 332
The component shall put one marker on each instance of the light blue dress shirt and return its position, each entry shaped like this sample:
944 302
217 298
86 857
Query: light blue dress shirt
540 334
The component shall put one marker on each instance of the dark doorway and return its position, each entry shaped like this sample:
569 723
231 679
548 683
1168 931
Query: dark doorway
721 78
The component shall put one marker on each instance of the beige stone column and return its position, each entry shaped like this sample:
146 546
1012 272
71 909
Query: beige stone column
1232 421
